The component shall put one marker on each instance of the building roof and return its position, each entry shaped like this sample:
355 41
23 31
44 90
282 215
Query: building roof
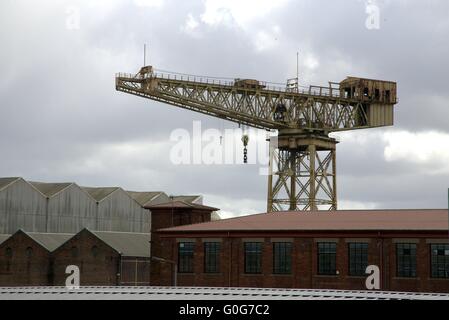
144 198
100 194
181 205
126 243
50 189
49 241
348 220
189 199
205 293
4 182
4 237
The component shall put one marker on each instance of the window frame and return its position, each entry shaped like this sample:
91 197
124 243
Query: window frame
282 258
358 267
407 261
186 257
212 254
331 264
253 259
444 260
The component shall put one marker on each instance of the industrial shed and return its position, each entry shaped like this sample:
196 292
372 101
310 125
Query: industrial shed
118 211
105 258
25 258
21 207
68 208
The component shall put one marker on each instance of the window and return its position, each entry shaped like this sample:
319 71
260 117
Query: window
212 257
8 253
440 260
327 258
29 252
185 257
74 252
282 258
94 251
358 259
406 260
253 257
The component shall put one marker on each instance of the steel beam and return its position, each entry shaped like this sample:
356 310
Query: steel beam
302 173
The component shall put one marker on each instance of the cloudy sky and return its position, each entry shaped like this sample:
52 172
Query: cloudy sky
62 120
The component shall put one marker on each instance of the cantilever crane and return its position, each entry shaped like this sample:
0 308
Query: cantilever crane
303 162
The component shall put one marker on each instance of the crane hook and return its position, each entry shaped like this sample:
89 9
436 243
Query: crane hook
245 140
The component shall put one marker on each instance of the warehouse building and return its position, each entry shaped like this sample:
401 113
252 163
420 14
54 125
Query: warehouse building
313 250
25 258
105 231
68 208
104 258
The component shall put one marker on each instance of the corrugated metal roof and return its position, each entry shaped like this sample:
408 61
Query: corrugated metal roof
325 220
205 293
189 199
144 198
127 244
4 182
100 193
50 189
181 205
50 241
4 237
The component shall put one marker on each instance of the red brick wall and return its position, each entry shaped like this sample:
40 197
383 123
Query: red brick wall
304 267
99 270
166 218
23 269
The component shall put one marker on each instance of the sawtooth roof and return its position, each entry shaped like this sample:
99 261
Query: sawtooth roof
100 194
181 205
4 182
144 198
4 237
50 189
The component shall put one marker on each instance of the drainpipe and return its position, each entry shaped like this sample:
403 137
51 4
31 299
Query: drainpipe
230 261
381 253
119 269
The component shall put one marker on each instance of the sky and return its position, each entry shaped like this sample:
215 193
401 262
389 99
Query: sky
61 118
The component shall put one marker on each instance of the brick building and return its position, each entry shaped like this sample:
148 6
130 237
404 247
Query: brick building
313 250
104 258
25 258
172 214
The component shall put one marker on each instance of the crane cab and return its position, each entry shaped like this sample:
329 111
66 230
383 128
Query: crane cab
377 96
368 90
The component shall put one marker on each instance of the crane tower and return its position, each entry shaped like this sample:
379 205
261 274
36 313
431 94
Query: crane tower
303 160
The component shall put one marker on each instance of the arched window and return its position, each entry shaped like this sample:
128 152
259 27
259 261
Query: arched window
8 253
29 252
74 252
94 251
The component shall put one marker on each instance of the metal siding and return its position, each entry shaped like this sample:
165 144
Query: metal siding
22 207
70 211
119 212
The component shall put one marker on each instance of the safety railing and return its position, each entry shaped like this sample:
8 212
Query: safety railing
265 86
